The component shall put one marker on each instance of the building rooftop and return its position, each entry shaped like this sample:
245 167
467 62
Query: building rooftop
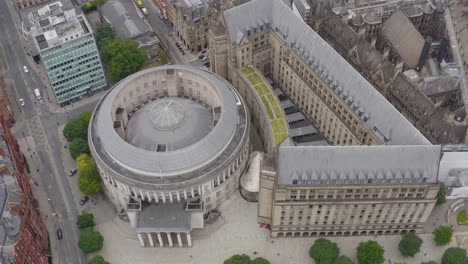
171 122
404 38
270 102
180 163
381 117
164 217
124 18
322 165
440 85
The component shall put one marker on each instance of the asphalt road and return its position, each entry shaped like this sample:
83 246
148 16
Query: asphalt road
161 31
36 120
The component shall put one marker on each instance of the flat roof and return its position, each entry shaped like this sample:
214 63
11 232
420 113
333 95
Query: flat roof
270 103
172 163
164 217
381 117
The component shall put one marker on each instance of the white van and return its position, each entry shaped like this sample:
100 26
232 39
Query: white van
38 94
145 11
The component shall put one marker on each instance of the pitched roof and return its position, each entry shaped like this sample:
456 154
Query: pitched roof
404 38
383 118
357 164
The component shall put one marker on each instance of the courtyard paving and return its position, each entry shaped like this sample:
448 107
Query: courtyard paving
237 232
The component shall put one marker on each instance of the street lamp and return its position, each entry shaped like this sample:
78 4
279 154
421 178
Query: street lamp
53 209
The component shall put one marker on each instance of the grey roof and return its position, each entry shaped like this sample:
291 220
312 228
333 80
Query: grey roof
404 38
314 143
440 85
300 131
358 164
287 104
278 91
150 163
389 125
186 124
124 18
164 217
294 117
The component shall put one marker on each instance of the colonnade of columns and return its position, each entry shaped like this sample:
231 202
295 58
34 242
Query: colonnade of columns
165 239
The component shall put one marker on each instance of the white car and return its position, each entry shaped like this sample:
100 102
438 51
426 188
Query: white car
25 68
21 101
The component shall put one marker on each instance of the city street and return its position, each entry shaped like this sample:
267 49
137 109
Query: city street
37 131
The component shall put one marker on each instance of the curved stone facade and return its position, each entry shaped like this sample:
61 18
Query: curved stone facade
178 163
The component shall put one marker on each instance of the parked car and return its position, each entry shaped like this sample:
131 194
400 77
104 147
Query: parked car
25 69
201 57
203 52
84 200
207 64
59 234
72 172
205 59
145 11
21 101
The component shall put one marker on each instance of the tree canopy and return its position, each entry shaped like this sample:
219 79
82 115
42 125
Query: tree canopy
85 116
89 181
90 240
104 32
260 260
441 194
163 57
455 255
75 128
344 260
370 252
78 146
443 235
122 57
92 5
98 260
238 259
85 220
430 262
323 251
410 245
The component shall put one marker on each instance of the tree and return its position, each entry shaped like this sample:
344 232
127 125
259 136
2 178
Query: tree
260 260
323 251
455 255
122 57
410 245
104 32
85 116
370 252
98 260
89 181
344 260
85 220
90 240
78 146
163 57
443 235
429 262
238 259
75 128
441 194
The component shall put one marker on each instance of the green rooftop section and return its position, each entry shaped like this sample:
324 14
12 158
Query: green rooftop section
278 124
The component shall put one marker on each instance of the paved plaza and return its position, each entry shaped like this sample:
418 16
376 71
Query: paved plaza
236 232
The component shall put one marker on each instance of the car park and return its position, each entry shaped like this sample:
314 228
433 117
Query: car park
21 101
25 69
72 172
59 234
84 200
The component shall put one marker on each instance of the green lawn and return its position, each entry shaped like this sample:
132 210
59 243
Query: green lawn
270 102
462 217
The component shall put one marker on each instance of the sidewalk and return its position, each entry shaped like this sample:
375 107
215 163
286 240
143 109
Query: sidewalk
40 193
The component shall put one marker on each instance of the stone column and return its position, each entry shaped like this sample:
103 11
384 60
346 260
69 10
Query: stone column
163 197
150 238
169 238
156 197
185 194
189 240
179 239
161 244
140 238
193 193
170 197
178 196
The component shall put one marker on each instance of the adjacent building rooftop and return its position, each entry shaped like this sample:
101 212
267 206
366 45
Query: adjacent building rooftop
270 102
376 112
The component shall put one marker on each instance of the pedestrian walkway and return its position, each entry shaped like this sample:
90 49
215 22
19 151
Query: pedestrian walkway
237 234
